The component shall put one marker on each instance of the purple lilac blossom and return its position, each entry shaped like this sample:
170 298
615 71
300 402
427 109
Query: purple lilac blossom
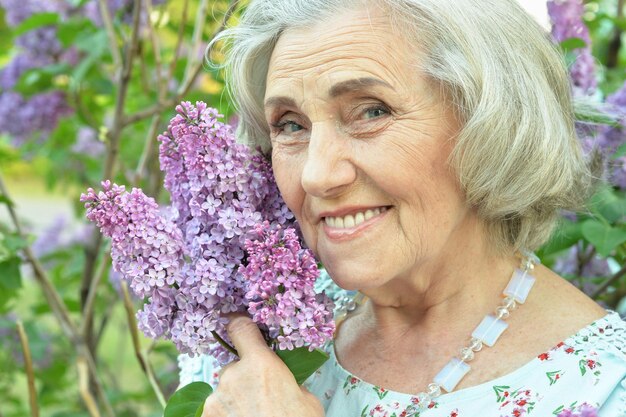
567 22
16 11
146 248
87 143
219 190
36 116
612 137
569 264
618 172
584 410
51 238
281 298
220 194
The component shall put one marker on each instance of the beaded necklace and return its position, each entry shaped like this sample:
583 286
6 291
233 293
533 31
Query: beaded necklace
485 334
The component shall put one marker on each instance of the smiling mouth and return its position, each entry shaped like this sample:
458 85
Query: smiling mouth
352 220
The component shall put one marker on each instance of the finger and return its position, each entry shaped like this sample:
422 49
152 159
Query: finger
246 336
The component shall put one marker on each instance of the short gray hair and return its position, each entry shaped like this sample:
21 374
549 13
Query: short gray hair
517 157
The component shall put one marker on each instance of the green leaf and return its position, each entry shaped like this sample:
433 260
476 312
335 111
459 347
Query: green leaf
14 242
566 234
608 203
603 236
301 362
188 401
73 29
10 276
5 200
35 21
572 44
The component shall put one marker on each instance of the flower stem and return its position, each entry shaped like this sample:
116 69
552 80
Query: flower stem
225 344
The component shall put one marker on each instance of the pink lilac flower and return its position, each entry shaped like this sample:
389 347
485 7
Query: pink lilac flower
567 22
281 298
146 248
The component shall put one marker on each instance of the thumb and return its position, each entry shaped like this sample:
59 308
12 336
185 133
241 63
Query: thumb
245 335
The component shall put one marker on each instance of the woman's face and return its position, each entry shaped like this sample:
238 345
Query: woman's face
360 142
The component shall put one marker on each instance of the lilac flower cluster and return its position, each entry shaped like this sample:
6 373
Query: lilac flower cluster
280 296
146 248
220 192
567 22
584 410
22 117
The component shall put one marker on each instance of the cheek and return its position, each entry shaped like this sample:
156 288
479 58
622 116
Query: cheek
287 173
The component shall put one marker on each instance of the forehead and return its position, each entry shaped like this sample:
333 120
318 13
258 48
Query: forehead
358 44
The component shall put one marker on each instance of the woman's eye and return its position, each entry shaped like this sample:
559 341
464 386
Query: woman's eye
375 112
291 127
287 126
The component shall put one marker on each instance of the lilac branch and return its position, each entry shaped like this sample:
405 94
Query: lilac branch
143 361
610 281
30 375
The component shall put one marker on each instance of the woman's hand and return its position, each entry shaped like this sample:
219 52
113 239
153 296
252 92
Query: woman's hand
259 384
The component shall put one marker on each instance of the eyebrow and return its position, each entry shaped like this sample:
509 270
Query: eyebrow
355 85
341 88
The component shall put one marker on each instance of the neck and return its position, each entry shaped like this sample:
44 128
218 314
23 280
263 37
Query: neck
444 296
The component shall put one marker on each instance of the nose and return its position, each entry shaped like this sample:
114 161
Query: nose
329 168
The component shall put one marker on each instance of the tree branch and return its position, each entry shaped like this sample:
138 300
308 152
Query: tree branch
615 44
83 387
118 125
88 307
143 361
30 375
156 48
179 41
610 281
110 30
196 39
58 307
185 86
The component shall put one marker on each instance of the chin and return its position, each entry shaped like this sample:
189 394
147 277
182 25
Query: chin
351 278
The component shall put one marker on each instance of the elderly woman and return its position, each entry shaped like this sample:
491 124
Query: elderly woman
425 148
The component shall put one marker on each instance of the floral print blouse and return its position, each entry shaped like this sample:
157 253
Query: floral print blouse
587 368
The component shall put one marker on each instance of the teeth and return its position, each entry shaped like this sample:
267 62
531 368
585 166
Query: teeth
352 220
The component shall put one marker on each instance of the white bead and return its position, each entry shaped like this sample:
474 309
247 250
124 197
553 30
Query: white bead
434 390
519 286
509 303
489 330
502 312
467 354
451 374
476 344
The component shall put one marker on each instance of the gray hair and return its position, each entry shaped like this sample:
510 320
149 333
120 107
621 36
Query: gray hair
517 157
